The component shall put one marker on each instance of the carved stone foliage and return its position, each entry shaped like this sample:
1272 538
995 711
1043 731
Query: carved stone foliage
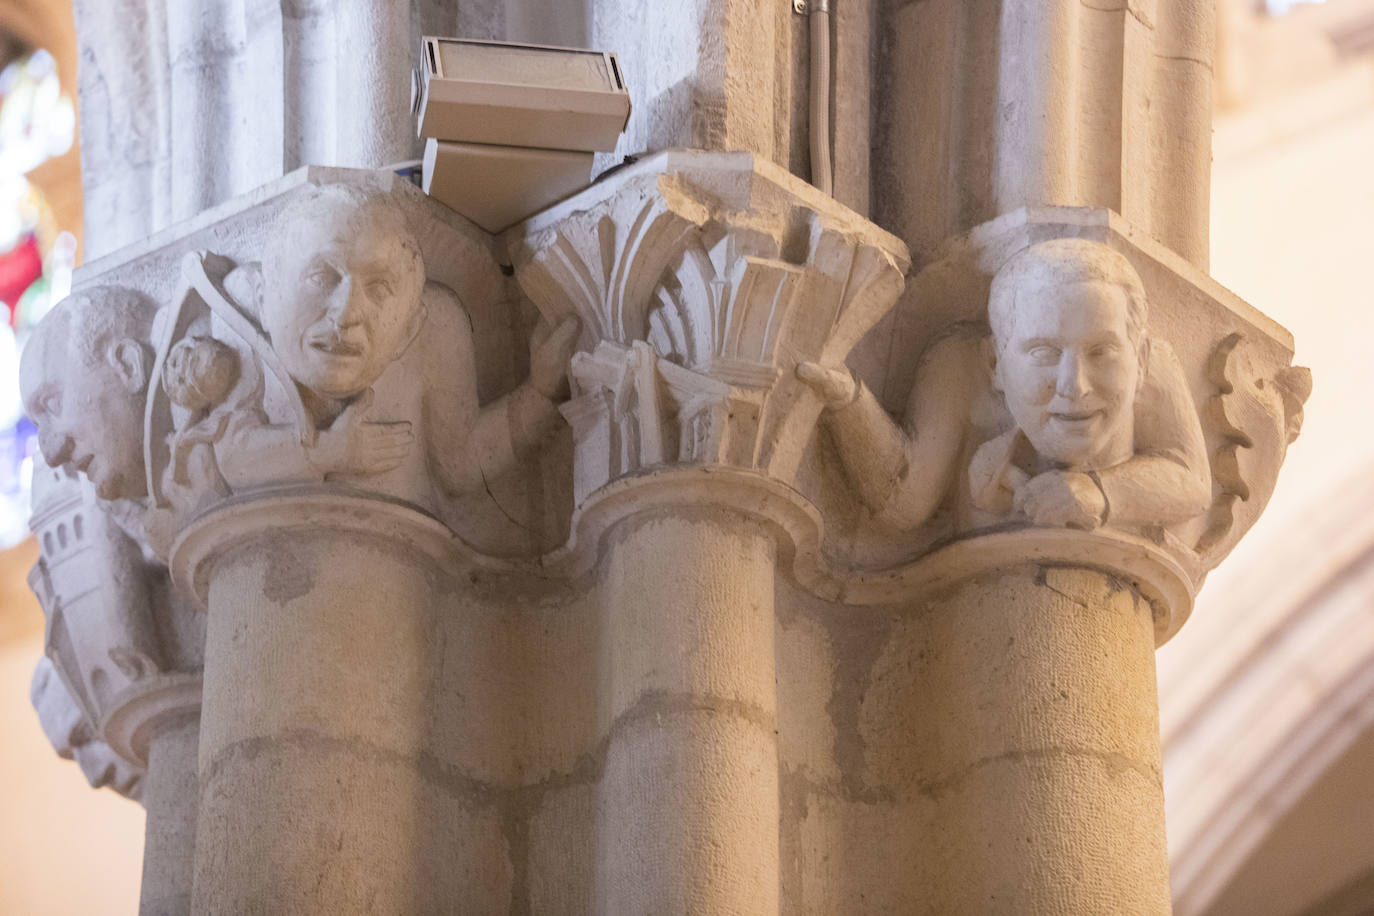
1051 373
1257 418
701 282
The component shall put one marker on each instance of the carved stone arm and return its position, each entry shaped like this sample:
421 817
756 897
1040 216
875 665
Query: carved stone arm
1169 480
902 475
506 430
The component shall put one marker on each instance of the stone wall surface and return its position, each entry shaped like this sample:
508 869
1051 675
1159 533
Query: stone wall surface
697 545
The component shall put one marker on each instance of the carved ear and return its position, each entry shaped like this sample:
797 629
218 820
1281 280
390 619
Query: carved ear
130 363
989 353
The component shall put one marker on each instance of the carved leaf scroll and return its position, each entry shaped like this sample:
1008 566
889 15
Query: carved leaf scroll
1258 419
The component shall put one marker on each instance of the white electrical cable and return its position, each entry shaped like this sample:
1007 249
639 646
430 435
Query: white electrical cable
822 172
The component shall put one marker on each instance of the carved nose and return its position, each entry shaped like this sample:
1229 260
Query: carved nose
1070 382
345 306
56 446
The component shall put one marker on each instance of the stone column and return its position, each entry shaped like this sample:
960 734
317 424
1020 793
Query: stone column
1084 464
1047 788
992 105
317 660
169 838
1009 125
300 492
691 781
711 275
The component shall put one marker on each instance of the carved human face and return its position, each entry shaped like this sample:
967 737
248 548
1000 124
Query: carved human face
342 302
88 408
1070 373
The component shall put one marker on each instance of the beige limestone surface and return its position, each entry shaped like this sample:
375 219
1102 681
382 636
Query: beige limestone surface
568 677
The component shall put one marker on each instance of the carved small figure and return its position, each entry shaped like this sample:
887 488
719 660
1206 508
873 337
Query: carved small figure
199 373
1103 428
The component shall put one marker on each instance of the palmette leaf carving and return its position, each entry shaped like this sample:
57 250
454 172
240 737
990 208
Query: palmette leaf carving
1257 418
717 300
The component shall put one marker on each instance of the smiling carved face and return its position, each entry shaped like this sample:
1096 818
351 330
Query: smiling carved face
342 300
1070 373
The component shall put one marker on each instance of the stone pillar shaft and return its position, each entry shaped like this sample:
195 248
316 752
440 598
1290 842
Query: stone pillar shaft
315 702
1001 104
1046 768
689 800
169 795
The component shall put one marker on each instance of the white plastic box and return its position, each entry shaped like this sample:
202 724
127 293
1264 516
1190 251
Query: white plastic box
520 95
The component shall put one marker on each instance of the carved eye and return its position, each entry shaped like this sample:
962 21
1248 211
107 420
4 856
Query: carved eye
322 278
1103 351
1044 355
379 289
50 404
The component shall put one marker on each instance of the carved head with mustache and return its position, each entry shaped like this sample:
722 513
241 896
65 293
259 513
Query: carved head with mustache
341 289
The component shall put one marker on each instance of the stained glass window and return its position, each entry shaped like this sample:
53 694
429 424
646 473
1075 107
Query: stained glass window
37 122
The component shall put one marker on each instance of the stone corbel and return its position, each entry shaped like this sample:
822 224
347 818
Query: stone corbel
702 280
1214 403
160 372
330 367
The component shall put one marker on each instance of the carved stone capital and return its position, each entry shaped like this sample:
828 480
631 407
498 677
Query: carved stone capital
336 334
1076 382
702 280
147 707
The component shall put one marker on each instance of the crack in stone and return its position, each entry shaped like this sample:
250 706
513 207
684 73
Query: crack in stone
1125 7
1205 64
1115 763
1042 579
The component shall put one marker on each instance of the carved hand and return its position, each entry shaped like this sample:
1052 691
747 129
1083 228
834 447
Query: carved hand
1062 499
551 350
835 384
354 445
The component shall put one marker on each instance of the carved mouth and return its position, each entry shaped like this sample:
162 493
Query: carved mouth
1078 418
336 347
